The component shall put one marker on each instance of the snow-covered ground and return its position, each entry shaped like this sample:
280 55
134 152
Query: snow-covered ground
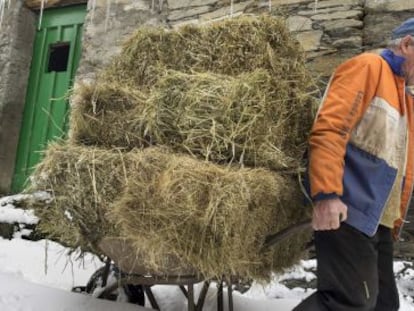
38 276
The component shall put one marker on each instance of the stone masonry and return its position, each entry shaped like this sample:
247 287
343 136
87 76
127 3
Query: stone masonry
329 31
16 47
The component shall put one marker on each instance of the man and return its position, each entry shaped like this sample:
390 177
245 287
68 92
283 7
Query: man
361 172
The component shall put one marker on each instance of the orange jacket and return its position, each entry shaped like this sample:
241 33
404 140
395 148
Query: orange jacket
362 141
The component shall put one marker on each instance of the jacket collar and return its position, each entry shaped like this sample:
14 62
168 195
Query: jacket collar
394 61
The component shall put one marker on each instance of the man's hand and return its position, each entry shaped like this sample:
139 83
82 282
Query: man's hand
328 214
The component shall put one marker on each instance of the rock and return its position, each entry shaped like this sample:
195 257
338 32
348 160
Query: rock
186 4
299 23
378 27
325 66
310 40
345 33
333 3
342 23
289 2
356 14
321 52
101 43
324 11
6 230
180 23
389 5
182 14
301 283
136 5
238 7
405 247
354 42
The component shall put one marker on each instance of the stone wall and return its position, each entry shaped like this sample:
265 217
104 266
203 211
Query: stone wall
16 46
330 30
381 16
106 27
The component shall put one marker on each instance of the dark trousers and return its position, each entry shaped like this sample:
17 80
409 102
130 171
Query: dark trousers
355 272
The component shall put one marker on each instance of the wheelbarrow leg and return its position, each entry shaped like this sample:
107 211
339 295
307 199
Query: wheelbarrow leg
220 296
202 297
190 297
106 272
230 294
184 291
151 297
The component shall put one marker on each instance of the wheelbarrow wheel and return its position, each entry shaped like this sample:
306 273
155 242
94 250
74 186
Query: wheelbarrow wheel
128 292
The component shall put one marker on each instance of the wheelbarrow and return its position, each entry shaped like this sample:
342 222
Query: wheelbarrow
127 274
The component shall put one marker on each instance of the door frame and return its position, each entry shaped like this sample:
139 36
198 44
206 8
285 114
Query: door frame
27 150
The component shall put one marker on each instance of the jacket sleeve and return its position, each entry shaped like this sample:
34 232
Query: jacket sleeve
350 90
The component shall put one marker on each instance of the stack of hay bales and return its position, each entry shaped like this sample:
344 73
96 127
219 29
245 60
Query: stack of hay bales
188 144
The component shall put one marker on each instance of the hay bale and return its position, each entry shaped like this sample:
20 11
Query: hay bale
107 115
253 119
83 182
214 219
233 91
229 47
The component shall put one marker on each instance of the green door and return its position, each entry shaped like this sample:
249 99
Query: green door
56 56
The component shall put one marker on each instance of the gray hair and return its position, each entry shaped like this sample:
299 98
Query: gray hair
394 43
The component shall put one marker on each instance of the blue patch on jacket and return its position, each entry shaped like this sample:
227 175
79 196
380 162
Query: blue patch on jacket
367 184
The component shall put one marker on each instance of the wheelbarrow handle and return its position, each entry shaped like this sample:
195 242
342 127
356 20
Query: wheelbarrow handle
273 239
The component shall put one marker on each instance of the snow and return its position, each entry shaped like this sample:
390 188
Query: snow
10 214
38 276
19 295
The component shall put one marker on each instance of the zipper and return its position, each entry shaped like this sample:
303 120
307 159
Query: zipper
395 180
403 217
406 211
412 182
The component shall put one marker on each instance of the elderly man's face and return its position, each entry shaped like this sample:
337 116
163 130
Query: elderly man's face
407 50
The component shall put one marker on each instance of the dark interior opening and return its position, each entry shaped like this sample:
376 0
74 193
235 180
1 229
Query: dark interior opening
58 57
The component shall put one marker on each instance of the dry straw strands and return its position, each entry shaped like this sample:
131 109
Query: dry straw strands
108 115
83 181
252 119
229 47
233 91
230 95
213 219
